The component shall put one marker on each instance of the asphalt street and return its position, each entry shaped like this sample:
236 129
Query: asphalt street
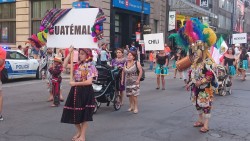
163 115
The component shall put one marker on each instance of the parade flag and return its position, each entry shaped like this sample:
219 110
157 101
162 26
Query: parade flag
219 49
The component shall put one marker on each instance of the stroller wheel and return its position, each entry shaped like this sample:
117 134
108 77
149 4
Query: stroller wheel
117 103
222 92
96 106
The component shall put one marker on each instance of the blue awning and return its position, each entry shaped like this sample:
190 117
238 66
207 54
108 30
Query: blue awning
5 1
132 5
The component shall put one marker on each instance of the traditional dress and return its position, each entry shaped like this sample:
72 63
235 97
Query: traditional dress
202 96
119 63
161 68
243 64
56 82
131 76
230 63
79 106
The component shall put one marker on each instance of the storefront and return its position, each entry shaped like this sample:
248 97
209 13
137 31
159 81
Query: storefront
7 22
125 21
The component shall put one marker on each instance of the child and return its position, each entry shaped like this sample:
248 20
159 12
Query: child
176 57
151 59
79 107
55 70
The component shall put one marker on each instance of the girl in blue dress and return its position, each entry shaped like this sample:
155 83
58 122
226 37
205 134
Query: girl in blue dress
161 68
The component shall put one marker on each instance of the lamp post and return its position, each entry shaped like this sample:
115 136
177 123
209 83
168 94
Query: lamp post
141 26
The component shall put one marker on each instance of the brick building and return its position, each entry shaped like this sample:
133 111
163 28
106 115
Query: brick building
21 18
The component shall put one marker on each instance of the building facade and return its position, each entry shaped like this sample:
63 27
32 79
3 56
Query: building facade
19 19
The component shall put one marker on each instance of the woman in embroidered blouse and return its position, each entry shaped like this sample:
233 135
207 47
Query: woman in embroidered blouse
79 106
119 63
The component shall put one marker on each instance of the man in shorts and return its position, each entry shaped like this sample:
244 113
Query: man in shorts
2 62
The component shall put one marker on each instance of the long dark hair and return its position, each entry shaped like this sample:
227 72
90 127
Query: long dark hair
243 53
233 51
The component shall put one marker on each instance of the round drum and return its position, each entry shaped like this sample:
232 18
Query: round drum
184 63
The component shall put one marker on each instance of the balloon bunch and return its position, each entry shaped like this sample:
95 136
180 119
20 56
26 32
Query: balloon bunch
193 31
47 26
97 29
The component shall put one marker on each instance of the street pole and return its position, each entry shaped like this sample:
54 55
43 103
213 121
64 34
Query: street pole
232 22
142 24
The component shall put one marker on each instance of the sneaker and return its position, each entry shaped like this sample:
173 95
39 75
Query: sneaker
1 118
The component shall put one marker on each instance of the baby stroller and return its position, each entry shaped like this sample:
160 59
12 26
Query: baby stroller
106 87
224 81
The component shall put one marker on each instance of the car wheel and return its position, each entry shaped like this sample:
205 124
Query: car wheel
4 75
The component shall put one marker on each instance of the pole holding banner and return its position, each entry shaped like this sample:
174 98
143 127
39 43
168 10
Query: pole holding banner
71 65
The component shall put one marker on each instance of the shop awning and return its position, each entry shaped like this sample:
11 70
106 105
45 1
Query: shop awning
185 7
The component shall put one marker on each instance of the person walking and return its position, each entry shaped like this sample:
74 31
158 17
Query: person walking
132 74
118 63
161 69
48 75
151 60
167 50
79 106
95 56
243 63
176 57
104 54
35 52
2 63
201 80
126 50
56 80
61 54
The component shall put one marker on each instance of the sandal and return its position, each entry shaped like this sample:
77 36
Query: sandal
163 88
198 124
49 100
130 110
157 88
135 111
53 105
204 130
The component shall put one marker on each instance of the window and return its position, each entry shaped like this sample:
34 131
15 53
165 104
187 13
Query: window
39 9
155 26
8 23
118 36
15 55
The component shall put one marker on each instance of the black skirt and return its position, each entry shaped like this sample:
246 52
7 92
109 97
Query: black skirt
79 106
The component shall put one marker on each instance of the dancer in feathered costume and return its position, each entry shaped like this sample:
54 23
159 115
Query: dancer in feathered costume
202 78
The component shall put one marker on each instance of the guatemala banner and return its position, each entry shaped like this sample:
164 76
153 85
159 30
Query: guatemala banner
218 50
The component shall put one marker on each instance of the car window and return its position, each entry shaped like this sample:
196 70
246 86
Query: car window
20 56
15 55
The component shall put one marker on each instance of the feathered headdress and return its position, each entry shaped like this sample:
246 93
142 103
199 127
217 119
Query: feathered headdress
193 31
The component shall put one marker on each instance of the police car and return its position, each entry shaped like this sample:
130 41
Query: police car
18 65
